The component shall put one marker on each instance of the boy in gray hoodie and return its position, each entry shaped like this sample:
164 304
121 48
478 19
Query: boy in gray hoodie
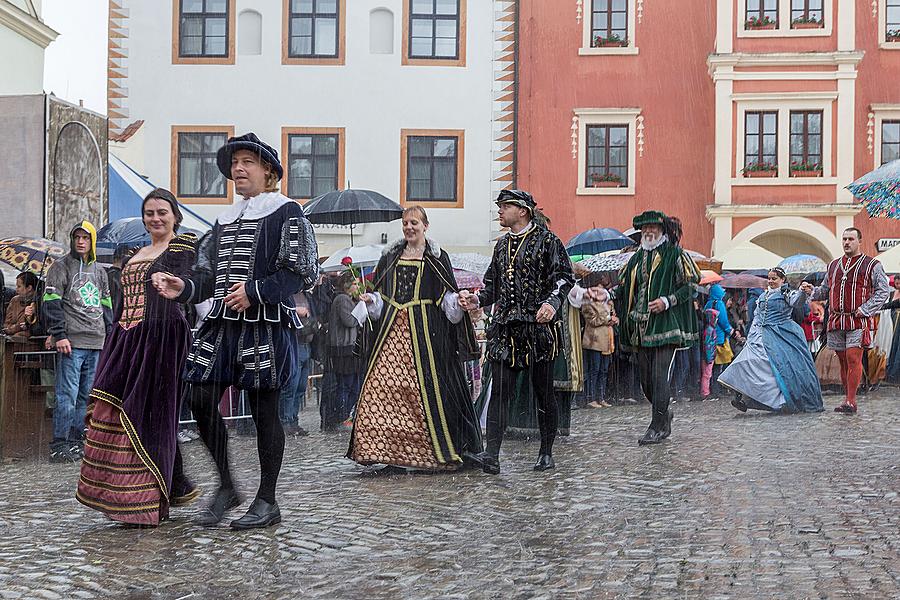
78 311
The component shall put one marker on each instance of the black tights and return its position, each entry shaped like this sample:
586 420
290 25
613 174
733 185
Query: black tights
503 386
204 399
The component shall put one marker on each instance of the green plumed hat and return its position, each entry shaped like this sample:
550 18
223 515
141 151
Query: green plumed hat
648 217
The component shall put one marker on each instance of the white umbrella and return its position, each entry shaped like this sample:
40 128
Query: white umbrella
748 256
362 256
471 261
890 259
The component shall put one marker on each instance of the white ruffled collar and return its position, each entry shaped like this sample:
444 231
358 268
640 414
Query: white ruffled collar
257 207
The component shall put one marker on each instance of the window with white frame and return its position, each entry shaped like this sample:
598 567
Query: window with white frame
784 18
890 141
607 150
892 20
885 133
608 27
784 137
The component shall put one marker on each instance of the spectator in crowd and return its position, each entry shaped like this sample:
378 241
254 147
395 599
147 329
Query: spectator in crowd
597 340
293 393
341 361
78 313
724 332
708 355
22 314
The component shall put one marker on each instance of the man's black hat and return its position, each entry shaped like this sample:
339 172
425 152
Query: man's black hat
252 143
519 198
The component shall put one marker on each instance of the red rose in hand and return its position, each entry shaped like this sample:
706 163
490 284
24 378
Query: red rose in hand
346 261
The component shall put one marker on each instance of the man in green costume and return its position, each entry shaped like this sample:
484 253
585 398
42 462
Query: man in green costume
653 301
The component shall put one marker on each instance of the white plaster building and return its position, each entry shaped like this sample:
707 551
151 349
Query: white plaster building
411 98
23 39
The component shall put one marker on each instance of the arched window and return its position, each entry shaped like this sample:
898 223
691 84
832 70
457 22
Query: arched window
381 31
249 32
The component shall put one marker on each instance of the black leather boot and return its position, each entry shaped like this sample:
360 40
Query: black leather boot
490 464
651 437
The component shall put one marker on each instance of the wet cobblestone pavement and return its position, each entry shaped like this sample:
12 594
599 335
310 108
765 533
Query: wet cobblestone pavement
732 506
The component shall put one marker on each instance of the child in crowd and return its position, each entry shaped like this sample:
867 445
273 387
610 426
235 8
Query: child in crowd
597 341
711 318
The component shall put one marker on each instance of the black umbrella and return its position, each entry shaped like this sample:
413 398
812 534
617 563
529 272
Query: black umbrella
352 207
595 241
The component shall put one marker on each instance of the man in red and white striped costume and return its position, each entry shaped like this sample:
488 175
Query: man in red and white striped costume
856 287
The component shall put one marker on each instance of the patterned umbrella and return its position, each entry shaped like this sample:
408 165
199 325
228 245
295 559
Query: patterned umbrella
802 263
31 254
879 190
468 280
601 263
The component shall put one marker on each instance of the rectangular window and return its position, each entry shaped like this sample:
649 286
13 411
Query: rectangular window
431 167
203 28
890 141
892 20
806 141
198 175
434 29
609 23
314 29
313 165
762 14
760 142
607 156
807 12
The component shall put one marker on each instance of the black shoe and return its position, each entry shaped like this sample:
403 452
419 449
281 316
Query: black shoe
260 514
651 437
225 499
61 452
544 463
490 464
739 404
668 430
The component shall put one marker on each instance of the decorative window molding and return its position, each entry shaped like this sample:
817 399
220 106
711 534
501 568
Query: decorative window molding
177 150
587 117
298 14
437 15
783 27
459 136
184 56
291 159
587 30
784 104
888 19
881 113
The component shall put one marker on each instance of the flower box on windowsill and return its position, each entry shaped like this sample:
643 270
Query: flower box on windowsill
806 173
770 173
808 25
613 42
606 184
766 27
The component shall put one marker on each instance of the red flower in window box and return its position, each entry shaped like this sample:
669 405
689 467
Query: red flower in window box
892 35
763 169
613 41
805 169
807 23
756 23
605 180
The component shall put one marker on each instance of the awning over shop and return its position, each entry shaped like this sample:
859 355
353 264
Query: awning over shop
127 190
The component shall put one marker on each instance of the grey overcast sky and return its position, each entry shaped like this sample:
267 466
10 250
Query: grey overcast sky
75 64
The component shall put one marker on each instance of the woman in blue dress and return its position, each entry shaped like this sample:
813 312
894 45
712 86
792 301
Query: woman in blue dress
775 371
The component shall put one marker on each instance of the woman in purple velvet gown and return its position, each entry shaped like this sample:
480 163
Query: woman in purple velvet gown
132 468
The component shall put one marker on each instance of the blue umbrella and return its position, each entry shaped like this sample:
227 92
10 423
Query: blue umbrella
597 240
128 232
879 190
